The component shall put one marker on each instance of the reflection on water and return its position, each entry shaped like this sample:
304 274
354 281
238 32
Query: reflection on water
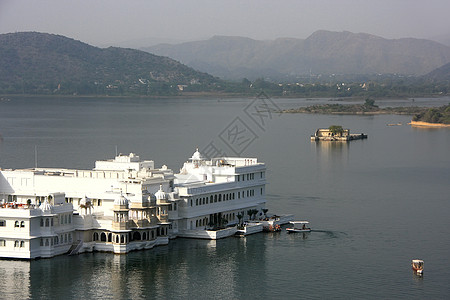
330 152
15 279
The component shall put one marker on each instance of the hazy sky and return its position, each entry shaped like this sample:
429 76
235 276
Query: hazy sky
107 21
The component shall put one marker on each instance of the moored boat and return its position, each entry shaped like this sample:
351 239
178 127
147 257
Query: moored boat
417 265
298 226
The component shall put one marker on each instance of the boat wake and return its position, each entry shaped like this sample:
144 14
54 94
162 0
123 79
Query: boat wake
331 234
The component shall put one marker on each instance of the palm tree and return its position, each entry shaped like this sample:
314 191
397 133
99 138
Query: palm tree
250 213
240 216
255 212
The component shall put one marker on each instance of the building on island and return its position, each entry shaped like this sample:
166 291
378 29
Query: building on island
343 135
123 204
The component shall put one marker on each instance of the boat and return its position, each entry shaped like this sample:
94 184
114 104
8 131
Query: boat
417 265
298 226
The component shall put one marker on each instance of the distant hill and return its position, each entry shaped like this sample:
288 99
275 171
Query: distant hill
440 74
32 62
323 52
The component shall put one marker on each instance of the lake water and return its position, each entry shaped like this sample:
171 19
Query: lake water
374 204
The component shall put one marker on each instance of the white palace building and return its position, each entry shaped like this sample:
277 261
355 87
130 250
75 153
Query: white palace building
124 204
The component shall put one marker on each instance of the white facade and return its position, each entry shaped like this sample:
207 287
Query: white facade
214 192
123 204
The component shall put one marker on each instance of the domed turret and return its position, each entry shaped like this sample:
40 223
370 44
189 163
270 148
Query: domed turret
197 156
121 200
160 194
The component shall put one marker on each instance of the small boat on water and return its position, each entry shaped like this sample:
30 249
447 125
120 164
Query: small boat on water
417 265
298 226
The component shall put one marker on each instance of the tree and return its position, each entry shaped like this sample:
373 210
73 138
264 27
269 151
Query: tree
240 216
265 210
336 129
255 212
370 103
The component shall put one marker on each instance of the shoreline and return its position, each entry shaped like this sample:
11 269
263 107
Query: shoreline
212 95
429 125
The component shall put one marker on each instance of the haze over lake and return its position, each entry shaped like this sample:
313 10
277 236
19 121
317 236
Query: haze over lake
374 205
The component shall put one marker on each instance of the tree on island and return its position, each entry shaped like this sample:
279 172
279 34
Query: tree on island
370 103
434 115
336 129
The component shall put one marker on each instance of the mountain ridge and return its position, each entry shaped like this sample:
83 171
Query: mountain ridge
41 62
323 52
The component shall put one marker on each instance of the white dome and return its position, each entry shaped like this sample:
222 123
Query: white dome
121 200
46 206
160 194
197 155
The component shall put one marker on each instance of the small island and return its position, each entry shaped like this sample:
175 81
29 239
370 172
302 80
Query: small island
368 108
433 117
422 116
336 133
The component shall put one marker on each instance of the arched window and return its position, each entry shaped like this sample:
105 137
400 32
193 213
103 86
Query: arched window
153 235
46 242
42 222
95 238
16 243
16 224
22 244
220 197
47 222
117 239
136 236
103 237
109 237
22 224
144 236
122 239
215 198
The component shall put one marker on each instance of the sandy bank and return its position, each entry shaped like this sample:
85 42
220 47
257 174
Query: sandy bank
426 124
